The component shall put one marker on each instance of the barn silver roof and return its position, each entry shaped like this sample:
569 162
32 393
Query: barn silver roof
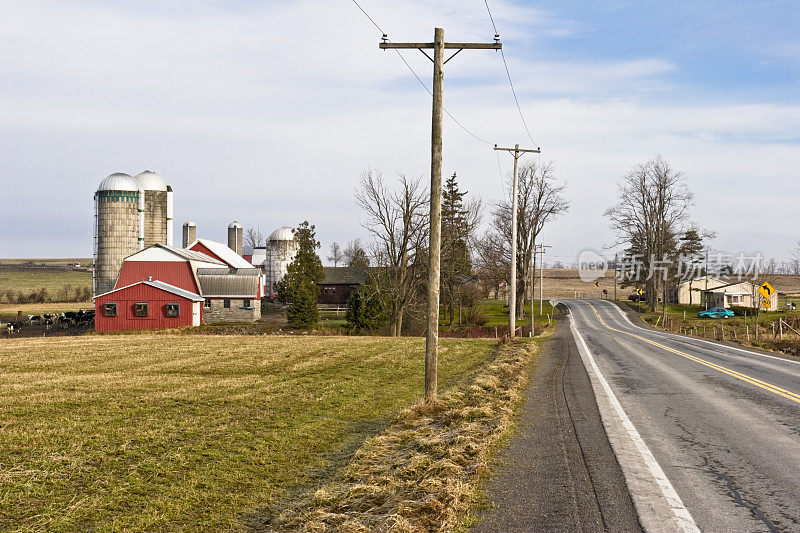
150 181
228 285
118 181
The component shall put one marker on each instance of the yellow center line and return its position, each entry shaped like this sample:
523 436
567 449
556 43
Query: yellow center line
738 375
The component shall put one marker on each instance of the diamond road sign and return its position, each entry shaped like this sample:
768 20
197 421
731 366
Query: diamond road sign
766 290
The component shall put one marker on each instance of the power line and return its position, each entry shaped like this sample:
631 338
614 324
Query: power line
508 74
403 59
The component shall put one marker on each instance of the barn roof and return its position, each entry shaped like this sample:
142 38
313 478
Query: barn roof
224 253
225 271
229 285
172 289
156 252
344 275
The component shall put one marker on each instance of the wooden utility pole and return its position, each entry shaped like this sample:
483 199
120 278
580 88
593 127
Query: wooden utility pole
512 297
434 252
541 275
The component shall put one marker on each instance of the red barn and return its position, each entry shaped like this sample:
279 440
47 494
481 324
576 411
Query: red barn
175 266
147 305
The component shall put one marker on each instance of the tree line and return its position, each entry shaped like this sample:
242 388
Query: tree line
395 215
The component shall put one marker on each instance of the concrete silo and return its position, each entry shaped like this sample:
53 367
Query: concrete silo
189 233
116 228
235 236
281 250
156 212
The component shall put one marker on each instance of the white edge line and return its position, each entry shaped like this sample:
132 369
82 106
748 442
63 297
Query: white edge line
682 515
718 345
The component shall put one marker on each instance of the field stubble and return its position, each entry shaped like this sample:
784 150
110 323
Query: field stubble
193 432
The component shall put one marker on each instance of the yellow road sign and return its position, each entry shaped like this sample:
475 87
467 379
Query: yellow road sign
597 283
766 290
766 303
639 292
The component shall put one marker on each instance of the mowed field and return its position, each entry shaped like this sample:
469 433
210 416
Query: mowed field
201 433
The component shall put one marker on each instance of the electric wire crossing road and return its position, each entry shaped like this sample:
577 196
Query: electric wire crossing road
718 425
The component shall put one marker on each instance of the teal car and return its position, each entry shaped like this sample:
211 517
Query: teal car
715 312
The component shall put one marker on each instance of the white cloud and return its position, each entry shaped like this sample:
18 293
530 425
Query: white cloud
269 112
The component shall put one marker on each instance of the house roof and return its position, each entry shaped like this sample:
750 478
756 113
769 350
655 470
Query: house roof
722 288
229 285
172 289
224 253
703 278
344 275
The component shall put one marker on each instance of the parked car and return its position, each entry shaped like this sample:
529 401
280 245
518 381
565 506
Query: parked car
637 297
715 312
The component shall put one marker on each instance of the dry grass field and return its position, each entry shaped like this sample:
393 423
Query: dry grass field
200 433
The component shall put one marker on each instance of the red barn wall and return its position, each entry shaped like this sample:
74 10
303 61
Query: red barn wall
157 300
178 273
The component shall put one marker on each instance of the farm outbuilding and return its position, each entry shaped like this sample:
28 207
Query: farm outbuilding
147 304
231 294
339 283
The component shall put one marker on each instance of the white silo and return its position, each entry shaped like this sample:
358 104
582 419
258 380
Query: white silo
189 233
116 228
157 211
281 250
235 235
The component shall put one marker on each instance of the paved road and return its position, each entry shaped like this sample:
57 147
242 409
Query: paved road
559 472
722 424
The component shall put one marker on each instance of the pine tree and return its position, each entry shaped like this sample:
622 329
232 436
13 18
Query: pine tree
455 262
299 288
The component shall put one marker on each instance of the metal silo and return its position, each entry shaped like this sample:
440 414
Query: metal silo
189 233
281 250
115 229
156 208
235 235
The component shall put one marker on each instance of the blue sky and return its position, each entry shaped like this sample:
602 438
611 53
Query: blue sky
267 112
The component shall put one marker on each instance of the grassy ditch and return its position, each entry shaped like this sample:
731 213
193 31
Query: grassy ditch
425 471
198 433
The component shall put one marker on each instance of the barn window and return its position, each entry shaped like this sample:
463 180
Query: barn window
207 303
226 304
173 310
140 309
245 303
110 310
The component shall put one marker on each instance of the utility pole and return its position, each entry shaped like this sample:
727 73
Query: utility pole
541 276
533 289
512 297
434 252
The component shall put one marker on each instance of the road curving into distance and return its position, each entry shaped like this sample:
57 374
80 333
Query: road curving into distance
718 427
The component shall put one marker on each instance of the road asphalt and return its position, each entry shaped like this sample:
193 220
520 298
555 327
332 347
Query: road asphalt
722 423
559 472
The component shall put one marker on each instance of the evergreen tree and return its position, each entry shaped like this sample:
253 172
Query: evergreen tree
364 311
299 288
455 259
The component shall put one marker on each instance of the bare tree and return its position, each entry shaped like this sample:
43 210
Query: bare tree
794 262
396 220
337 256
652 210
491 264
254 238
355 255
541 199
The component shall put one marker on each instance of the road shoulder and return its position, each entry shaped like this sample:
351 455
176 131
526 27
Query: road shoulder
559 471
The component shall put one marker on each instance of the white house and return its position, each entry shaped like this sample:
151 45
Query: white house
689 292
